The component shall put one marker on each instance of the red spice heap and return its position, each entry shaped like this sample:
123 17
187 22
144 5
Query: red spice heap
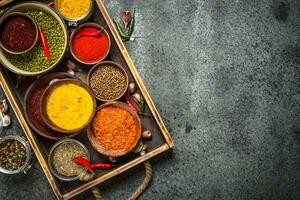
114 128
90 44
18 34
34 105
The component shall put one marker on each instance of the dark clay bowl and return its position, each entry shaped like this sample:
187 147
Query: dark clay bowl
116 153
18 14
45 99
42 81
104 63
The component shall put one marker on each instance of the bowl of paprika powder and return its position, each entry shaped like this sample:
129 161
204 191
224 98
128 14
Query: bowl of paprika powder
90 43
19 33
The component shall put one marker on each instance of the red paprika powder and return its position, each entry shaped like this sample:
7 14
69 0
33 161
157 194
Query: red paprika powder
90 45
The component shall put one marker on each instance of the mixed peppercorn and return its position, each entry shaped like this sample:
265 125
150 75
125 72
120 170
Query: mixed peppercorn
12 154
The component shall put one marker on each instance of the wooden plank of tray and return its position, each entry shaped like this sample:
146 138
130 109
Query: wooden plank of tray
85 186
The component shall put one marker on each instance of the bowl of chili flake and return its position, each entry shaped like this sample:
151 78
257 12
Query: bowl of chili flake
115 129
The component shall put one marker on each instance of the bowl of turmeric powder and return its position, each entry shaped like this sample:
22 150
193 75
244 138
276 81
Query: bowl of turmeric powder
67 106
115 129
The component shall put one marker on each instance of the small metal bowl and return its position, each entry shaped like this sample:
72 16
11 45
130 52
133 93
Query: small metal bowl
76 21
116 153
44 100
26 164
4 18
114 65
85 25
50 158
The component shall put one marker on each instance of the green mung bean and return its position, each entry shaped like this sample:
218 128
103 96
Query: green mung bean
35 60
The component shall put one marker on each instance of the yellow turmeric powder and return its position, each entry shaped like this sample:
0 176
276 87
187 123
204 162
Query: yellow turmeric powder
73 9
69 106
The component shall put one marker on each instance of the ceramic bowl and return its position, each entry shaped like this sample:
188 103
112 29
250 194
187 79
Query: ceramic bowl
44 100
43 7
94 25
37 127
104 63
115 153
18 14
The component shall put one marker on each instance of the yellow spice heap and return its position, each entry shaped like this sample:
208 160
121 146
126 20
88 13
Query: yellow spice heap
73 9
69 106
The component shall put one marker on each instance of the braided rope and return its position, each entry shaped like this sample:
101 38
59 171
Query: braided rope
97 193
145 183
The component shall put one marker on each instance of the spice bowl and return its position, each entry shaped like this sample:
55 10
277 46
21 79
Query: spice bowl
104 81
26 152
52 158
67 106
25 19
90 44
121 152
29 64
74 21
32 109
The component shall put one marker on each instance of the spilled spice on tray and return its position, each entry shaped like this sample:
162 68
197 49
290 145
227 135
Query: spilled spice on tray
69 106
35 60
12 154
90 44
34 105
107 82
18 34
63 159
114 128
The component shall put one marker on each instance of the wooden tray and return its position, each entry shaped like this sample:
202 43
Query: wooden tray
160 142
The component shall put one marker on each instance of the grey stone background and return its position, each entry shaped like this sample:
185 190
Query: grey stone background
225 77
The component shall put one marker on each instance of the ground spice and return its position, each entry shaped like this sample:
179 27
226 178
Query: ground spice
18 34
69 106
12 154
90 48
114 128
107 82
73 9
63 159
34 105
35 60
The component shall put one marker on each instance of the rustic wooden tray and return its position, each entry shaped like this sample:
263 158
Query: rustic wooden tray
160 142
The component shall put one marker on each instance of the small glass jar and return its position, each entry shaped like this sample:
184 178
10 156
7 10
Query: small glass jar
28 161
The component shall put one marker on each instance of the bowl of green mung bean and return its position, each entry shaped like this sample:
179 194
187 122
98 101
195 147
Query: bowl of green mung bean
35 62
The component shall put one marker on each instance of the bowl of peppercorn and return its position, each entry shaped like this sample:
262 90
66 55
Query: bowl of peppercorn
108 80
15 154
19 33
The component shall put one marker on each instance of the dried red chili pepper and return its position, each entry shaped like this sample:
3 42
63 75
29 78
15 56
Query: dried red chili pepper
127 100
101 166
83 161
44 43
89 32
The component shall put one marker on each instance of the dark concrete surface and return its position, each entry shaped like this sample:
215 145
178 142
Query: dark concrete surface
225 77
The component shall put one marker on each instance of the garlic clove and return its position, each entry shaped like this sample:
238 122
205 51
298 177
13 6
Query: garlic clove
131 88
72 72
3 105
146 134
6 120
136 98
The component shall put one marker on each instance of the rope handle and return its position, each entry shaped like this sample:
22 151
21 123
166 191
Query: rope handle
98 195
